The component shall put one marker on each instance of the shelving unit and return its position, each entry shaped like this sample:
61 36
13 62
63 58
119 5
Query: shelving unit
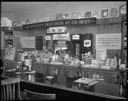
8 35
124 40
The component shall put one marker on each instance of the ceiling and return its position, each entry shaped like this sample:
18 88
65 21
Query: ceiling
24 10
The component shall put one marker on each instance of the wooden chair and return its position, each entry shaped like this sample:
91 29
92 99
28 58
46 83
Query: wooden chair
10 89
31 95
53 72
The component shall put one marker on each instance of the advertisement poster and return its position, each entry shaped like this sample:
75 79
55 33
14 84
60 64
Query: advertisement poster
47 37
96 13
101 54
104 13
114 12
10 53
105 42
108 41
28 42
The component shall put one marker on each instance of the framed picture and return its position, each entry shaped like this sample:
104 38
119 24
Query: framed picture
88 14
66 16
122 9
73 15
104 13
114 12
96 13
75 37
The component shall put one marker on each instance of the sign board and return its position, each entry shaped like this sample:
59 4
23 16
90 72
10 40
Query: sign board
28 42
61 36
75 37
39 42
101 54
47 37
61 44
56 36
108 41
96 13
87 43
61 23
56 30
123 9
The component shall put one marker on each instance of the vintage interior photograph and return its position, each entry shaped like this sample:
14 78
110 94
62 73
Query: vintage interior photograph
64 50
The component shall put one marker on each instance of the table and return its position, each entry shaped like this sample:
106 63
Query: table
89 83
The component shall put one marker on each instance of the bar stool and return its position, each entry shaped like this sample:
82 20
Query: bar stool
30 75
53 72
10 89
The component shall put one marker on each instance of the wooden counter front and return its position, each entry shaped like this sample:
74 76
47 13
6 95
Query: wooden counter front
63 71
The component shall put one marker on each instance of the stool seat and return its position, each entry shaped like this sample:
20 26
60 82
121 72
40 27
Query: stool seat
18 72
30 72
49 77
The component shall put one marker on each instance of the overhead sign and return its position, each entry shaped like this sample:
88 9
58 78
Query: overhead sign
61 23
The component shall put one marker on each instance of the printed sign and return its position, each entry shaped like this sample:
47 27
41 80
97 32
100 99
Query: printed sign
104 13
61 37
88 14
83 21
56 30
96 13
75 37
87 43
114 12
108 41
47 37
56 36
100 54
28 42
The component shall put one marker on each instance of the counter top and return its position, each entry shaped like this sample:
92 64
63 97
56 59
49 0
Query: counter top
36 81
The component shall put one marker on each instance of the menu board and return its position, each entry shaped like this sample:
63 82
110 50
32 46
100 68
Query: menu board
39 42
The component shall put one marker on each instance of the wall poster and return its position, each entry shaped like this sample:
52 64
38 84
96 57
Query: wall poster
107 41
28 42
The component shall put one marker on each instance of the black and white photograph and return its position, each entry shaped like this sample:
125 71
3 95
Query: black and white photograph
68 50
